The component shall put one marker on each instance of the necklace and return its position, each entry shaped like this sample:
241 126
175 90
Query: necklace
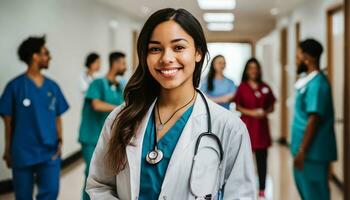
156 155
161 125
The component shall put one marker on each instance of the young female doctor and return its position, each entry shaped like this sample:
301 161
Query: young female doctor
168 141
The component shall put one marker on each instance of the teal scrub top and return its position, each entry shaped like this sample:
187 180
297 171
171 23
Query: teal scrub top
92 121
152 176
315 97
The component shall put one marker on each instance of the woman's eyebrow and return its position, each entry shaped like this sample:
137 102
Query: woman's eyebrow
172 41
179 39
153 42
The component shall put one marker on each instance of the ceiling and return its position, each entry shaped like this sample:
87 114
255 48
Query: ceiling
253 19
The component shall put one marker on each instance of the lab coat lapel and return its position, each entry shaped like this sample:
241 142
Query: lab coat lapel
189 134
134 152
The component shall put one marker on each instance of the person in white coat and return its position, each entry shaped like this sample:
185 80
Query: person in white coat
93 65
168 141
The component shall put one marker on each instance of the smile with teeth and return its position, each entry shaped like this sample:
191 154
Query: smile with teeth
169 71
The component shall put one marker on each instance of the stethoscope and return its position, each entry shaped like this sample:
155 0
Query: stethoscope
156 155
27 102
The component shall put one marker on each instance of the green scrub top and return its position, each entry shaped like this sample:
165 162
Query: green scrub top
92 121
315 97
152 176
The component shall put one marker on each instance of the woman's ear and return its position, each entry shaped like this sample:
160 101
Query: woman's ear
198 56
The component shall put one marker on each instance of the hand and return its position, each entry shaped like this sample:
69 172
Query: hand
7 158
299 160
58 152
259 113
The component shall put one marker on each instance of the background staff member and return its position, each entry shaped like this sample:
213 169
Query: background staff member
255 100
31 107
103 95
93 65
219 88
146 147
313 138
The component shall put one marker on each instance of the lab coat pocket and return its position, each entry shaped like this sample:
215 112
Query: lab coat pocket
205 169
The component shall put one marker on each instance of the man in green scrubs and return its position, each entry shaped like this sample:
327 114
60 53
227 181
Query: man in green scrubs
313 138
103 95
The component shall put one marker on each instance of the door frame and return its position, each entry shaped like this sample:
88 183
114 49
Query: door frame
330 12
330 68
284 83
347 99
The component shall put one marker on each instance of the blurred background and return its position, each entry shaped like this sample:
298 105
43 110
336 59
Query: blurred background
269 30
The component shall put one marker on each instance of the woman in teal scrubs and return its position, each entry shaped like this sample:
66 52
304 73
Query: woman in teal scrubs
146 147
151 189
103 95
31 106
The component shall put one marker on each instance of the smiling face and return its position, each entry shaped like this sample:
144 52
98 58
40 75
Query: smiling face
172 56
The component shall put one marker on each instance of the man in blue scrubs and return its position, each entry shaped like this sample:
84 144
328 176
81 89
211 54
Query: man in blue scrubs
313 138
31 106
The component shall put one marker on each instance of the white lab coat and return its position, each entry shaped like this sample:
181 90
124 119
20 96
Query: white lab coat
84 82
237 165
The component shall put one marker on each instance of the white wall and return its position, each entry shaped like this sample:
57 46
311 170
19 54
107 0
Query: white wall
267 52
73 29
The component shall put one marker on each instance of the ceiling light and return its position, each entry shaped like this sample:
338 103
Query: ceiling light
274 11
220 26
217 4
218 17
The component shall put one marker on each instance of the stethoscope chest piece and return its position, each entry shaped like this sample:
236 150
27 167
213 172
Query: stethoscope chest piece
154 156
26 102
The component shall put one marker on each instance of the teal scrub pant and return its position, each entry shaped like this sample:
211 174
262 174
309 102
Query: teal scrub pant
87 151
312 181
46 175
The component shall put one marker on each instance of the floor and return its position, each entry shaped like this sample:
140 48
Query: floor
280 185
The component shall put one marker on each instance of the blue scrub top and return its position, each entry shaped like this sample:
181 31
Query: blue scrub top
34 134
152 176
222 87
315 97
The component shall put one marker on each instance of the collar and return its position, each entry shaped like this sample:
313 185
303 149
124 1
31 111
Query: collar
302 81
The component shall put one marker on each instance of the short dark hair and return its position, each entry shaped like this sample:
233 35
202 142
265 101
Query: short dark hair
91 58
115 56
29 47
312 47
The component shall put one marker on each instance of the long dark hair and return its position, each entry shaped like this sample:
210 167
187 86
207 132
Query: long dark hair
245 71
211 73
142 88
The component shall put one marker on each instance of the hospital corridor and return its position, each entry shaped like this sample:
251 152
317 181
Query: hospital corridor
175 99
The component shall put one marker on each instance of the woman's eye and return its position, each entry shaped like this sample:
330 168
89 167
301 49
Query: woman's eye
154 50
179 48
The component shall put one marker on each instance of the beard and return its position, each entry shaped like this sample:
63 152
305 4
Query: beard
121 72
301 68
44 65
